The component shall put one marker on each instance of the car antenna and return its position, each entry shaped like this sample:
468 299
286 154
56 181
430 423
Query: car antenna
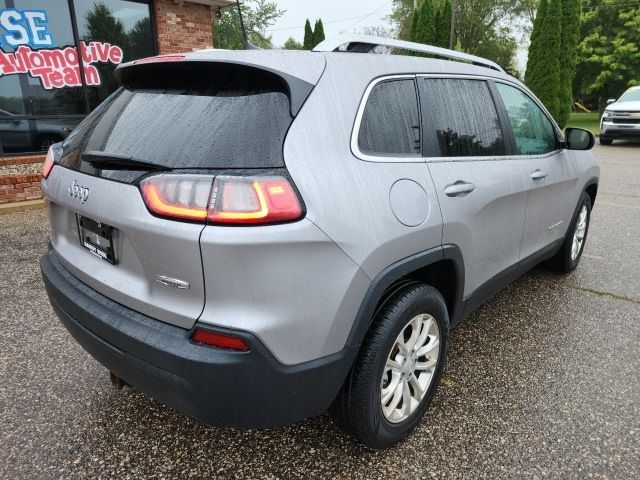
246 44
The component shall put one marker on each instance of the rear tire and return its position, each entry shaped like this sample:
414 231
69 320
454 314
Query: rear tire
569 255
605 140
414 321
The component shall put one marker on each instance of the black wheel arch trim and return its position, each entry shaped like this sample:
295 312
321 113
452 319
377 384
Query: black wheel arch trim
399 270
590 182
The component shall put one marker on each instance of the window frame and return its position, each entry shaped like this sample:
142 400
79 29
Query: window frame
355 132
84 86
505 123
559 135
509 142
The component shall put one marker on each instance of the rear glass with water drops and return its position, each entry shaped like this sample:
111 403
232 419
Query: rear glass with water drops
229 123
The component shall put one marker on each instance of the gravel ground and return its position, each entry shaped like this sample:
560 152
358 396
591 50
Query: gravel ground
542 382
23 169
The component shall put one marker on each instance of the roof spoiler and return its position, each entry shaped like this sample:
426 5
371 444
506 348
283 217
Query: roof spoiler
155 67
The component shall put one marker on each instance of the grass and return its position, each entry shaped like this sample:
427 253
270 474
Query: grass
588 121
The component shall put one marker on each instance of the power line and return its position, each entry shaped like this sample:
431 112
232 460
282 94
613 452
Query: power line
362 17
385 4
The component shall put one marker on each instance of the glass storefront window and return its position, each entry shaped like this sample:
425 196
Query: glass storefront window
123 23
42 94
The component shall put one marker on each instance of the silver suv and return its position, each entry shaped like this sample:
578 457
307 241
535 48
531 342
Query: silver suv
255 237
621 118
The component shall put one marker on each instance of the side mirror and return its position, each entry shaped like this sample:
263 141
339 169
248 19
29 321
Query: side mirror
579 139
610 101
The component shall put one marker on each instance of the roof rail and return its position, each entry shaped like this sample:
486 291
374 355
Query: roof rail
366 43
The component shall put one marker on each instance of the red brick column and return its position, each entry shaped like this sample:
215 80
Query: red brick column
183 26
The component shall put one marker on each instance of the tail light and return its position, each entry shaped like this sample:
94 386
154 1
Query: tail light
49 161
213 339
225 200
185 197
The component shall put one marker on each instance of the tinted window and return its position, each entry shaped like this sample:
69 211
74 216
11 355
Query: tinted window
532 129
390 123
459 118
234 121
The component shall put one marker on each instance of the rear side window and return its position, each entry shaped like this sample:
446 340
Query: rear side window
390 124
197 119
459 118
532 129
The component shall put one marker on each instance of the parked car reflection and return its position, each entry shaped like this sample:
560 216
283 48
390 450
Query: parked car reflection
18 134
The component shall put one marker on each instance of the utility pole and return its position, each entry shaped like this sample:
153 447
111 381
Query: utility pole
453 24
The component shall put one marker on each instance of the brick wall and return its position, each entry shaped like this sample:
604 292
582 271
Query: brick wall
183 26
17 188
21 160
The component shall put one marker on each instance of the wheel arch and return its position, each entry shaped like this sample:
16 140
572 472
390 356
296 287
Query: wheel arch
591 187
441 267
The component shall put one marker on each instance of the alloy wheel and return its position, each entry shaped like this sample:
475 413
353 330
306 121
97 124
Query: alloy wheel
410 368
580 232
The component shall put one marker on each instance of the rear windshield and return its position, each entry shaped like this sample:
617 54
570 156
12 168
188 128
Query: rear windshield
206 121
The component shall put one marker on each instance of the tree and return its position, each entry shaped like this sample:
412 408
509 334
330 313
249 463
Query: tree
402 18
569 40
140 39
318 33
481 25
102 26
257 16
415 20
535 55
426 23
543 66
292 44
443 24
307 44
608 59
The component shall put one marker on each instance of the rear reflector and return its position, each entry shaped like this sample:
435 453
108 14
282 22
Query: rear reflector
49 161
230 200
228 342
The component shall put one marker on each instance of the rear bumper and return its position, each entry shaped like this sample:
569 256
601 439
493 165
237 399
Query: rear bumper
223 388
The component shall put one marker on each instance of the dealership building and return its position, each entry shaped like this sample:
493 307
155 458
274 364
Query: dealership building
43 91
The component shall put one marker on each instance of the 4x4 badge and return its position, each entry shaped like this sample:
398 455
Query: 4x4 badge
78 191
172 282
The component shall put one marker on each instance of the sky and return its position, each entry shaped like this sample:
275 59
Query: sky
338 16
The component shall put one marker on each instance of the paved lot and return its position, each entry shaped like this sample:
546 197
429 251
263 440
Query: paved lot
542 382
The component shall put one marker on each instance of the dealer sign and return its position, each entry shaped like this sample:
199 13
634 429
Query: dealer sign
26 32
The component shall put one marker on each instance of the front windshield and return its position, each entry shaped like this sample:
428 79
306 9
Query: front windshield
631 95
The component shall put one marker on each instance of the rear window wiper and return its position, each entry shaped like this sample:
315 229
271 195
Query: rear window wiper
113 161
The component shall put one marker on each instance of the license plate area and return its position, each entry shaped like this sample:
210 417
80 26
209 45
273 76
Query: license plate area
96 237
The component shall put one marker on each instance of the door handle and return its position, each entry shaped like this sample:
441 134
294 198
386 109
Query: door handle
459 189
538 175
